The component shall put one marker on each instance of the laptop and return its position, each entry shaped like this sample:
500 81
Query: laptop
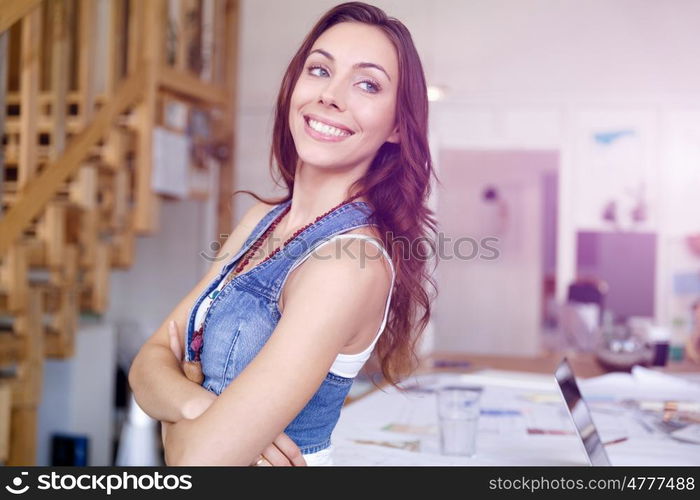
580 415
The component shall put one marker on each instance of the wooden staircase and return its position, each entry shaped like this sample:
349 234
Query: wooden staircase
82 89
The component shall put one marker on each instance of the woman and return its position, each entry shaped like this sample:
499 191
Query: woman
317 281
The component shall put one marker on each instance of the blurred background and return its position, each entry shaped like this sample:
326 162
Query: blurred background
566 136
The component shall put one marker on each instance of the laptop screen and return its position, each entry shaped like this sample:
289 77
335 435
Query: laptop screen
580 414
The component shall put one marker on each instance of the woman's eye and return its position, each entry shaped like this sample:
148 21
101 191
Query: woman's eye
372 87
314 68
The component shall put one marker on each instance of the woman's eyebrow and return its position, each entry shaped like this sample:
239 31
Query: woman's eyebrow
358 65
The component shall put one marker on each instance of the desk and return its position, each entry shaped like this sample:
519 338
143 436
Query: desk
376 416
584 364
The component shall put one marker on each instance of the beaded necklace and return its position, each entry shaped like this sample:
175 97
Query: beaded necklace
193 369
258 243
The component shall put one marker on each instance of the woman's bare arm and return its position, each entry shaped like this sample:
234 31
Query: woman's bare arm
160 387
330 302
283 452
156 379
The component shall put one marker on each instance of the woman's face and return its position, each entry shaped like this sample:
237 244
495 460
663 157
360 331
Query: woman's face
349 80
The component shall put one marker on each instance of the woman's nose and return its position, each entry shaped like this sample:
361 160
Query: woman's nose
331 96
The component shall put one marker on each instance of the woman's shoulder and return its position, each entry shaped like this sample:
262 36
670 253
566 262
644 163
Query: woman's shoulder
240 233
368 230
255 214
372 232
359 253
348 280
358 260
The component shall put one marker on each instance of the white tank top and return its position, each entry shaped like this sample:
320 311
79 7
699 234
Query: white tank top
345 365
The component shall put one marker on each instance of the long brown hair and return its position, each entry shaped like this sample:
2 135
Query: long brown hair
397 184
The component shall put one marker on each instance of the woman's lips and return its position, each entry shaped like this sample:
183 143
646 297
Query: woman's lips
322 137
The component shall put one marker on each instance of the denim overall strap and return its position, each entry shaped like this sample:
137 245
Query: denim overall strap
268 278
254 235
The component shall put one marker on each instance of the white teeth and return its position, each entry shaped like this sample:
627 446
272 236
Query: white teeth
326 129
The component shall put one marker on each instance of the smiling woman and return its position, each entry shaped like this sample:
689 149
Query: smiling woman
261 355
346 95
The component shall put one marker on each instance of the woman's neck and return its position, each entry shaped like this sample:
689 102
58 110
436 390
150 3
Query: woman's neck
316 191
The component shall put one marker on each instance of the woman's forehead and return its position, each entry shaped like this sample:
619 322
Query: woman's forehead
352 43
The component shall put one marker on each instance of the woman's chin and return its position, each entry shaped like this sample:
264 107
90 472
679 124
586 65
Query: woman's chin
320 161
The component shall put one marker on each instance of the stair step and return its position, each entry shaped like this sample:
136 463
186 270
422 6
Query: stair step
11 348
44 124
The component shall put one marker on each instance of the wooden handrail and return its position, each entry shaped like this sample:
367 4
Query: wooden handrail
12 11
33 199
187 84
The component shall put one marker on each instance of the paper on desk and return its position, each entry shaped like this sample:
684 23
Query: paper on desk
414 412
640 452
642 383
688 434
346 452
495 378
664 381
544 450
395 418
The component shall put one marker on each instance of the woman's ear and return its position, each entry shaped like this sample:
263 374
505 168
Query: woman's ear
395 137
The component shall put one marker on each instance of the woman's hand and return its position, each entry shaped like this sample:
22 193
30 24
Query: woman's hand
196 407
283 452
191 369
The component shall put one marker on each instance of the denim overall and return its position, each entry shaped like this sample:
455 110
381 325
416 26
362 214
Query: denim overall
244 314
